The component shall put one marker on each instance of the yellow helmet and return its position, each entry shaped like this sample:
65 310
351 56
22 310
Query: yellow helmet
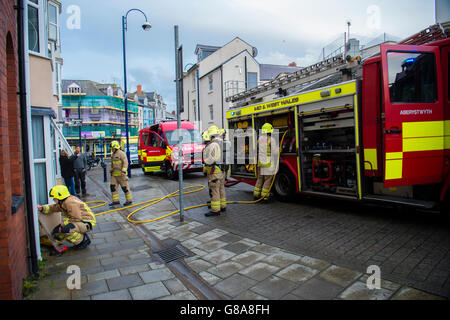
59 192
205 135
267 128
115 145
213 131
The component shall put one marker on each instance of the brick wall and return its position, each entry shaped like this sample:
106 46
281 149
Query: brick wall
13 239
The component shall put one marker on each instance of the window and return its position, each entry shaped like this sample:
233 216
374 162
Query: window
73 88
412 77
211 112
210 81
40 170
187 135
252 80
33 26
52 22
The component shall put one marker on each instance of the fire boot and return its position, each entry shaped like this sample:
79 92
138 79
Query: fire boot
83 244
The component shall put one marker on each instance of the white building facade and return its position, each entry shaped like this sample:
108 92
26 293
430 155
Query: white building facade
218 73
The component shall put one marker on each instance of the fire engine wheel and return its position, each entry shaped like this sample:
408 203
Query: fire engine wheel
170 173
284 185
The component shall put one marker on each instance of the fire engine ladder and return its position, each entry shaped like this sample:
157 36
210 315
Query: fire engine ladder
303 76
430 34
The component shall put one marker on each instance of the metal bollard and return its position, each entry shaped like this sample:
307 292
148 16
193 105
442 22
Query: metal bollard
103 164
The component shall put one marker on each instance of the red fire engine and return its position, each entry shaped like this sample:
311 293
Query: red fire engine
381 133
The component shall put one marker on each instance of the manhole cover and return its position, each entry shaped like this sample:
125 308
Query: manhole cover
171 254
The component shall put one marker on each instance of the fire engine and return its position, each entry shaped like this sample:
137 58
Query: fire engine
158 148
379 133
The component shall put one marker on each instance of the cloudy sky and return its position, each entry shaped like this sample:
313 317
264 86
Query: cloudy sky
282 30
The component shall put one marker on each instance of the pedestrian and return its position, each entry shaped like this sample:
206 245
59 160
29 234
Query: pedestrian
80 166
213 159
266 167
119 167
78 217
67 171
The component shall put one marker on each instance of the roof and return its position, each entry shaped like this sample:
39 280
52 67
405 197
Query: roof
87 86
205 48
271 71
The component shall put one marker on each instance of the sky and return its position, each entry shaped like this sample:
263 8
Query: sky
283 31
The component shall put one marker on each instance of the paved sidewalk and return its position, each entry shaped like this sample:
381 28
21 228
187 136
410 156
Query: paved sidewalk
121 262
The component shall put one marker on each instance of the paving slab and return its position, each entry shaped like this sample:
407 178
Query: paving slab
185 295
274 287
226 269
248 258
103 275
282 259
407 293
123 282
314 263
297 273
149 291
174 286
210 278
218 256
235 285
340 276
318 289
199 265
113 295
156 275
211 245
90 288
259 271
360 291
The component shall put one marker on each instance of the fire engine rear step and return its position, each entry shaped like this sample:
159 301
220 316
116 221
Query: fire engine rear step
397 200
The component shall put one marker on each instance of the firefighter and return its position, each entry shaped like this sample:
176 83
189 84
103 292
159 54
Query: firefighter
119 166
212 157
78 217
266 168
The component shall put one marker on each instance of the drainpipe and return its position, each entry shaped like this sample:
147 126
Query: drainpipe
33 256
245 70
198 95
221 92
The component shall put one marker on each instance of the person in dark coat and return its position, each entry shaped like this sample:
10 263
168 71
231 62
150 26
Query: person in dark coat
67 170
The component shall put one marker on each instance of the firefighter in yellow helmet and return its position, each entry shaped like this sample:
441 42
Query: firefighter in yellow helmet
212 157
119 167
266 167
78 217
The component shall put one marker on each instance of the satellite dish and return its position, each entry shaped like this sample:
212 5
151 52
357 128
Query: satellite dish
255 52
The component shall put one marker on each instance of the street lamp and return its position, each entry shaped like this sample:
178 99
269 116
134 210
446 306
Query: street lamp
146 27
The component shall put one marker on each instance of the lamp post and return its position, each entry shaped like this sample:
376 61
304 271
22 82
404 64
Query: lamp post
146 26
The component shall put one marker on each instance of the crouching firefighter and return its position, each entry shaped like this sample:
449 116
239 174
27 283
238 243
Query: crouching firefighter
78 218
215 171
119 167
266 166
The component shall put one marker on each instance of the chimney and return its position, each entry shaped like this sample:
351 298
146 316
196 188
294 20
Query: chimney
139 89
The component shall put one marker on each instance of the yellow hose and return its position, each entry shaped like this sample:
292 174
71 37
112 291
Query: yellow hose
151 202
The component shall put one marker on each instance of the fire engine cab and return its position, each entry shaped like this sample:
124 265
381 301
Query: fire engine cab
380 135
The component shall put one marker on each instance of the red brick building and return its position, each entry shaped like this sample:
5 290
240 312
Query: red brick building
13 234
